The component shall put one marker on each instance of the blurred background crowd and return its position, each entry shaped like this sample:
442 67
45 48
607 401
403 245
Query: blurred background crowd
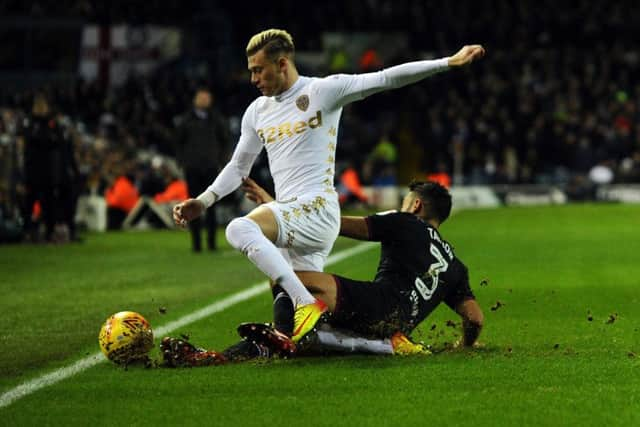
555 101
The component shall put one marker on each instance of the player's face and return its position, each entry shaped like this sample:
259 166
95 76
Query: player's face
266 74
202 100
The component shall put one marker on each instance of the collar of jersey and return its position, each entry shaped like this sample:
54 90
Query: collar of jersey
294 89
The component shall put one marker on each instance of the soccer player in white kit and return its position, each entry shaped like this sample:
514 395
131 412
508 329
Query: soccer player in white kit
296 121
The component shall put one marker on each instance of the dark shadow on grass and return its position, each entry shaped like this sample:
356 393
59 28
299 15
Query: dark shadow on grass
356 361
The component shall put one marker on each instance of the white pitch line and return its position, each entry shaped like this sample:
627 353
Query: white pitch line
58 375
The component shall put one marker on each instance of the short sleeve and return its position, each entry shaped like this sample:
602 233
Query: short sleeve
385 226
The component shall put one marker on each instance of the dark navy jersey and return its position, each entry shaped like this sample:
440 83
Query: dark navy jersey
417 267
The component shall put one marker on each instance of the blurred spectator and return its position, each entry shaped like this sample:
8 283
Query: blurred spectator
602 173
580 189
122 196
546 105
338 60
349 188
176 191
203 146
50 171
156 211
150 176
440 175
630 168
68 182
380 166
370 61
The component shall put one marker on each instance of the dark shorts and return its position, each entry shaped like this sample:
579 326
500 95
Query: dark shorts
368 308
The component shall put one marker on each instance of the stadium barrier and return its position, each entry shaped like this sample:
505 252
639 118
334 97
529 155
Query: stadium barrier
91 213
474 197
92 210
624 193
147 212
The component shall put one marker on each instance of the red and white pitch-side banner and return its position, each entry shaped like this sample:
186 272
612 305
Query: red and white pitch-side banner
110 53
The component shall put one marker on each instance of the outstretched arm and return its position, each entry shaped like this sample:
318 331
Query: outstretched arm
343 89
412 72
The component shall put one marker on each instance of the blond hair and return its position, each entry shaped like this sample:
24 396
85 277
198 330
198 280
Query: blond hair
274 42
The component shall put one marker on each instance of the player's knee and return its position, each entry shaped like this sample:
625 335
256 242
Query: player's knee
241 232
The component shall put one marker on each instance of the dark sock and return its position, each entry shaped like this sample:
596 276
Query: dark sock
283 313
275 290
245 350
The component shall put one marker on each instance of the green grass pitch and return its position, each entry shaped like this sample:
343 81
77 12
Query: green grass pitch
561 348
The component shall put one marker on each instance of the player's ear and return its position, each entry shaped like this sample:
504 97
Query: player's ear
282 63
416 206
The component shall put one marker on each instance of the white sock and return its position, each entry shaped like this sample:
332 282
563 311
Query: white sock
351 343
246 236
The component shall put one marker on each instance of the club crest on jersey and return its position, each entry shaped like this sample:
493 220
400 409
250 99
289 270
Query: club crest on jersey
302 102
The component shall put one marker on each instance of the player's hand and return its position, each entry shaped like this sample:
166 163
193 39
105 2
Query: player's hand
466 55
187 211
254 192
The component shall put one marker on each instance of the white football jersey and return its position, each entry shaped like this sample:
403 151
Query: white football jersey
299 128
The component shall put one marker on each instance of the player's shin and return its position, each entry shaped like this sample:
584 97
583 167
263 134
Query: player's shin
246 236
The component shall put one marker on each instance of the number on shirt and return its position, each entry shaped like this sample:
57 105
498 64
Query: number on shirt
434 271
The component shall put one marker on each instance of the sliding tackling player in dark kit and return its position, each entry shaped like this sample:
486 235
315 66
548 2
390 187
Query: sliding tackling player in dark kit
417 271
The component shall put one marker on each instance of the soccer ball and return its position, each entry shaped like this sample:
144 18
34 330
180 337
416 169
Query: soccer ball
126 337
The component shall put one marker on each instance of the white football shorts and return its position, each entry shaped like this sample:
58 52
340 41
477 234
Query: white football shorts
307 228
